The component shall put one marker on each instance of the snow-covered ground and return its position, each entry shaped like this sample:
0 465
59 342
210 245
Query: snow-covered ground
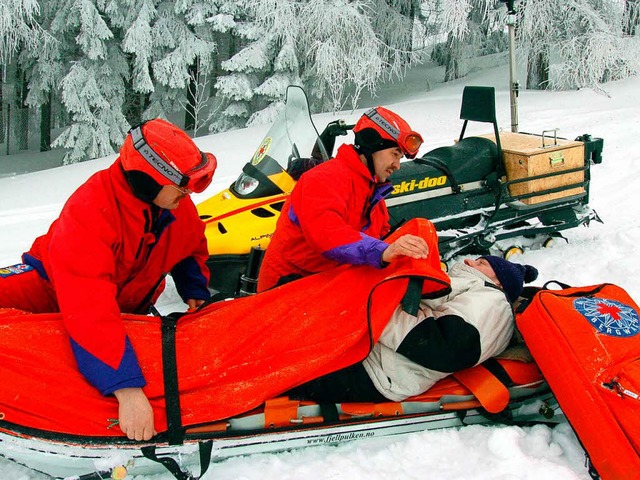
603 252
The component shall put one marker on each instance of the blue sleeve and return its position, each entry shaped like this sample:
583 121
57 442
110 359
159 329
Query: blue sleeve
366 251
189 280
103 377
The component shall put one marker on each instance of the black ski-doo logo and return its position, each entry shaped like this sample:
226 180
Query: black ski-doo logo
426 182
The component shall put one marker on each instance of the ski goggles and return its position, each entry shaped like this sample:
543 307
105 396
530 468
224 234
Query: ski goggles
195 179
408 141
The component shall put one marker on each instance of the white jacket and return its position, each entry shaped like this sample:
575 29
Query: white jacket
471 324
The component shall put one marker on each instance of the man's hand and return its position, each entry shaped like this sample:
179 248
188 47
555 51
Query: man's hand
408 246
194 303
135 415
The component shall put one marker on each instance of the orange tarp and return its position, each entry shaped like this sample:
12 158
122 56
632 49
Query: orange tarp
231 356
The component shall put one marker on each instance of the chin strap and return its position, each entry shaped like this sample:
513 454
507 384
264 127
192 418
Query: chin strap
368 154
369 157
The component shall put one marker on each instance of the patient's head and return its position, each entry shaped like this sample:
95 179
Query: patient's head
508 275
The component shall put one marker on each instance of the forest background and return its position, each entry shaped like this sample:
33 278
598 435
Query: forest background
77 74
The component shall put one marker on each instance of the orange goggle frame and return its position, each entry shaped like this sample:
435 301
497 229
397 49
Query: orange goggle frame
409 142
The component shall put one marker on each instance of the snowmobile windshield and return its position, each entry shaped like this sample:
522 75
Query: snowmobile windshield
291 140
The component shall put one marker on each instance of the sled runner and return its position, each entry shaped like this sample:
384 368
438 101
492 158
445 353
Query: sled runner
586 342
283 424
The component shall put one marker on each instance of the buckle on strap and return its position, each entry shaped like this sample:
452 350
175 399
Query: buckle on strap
137 137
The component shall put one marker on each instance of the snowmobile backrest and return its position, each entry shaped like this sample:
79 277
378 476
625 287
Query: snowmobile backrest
479 105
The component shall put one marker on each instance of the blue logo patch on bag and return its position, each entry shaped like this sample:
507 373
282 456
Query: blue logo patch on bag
609 316
15 270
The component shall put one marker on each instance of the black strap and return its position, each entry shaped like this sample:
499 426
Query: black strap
440 165
329 412
498 371
411 299
170 463
560 284
170 372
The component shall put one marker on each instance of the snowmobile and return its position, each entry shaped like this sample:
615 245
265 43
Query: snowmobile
496 193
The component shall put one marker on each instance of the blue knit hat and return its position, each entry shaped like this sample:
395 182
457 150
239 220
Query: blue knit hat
512 276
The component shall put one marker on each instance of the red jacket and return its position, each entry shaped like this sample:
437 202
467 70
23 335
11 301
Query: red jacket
107 253
335 214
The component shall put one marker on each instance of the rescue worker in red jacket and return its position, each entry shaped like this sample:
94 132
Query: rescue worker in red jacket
336 213
117 237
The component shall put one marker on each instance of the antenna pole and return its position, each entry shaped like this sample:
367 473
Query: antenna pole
514 86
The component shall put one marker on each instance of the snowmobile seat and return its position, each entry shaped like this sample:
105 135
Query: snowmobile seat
470 160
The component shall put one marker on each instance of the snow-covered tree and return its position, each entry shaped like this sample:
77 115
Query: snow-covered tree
96 107
45 66
631 17
122 61
179 37
348 46
93 86
533 35
246 70
109 64
134 27
18 26
334 48
470 28
586 40
198 104
395 22
342 49
241 71
19 32
280 18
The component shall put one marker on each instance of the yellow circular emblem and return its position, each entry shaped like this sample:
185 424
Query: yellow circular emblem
261 151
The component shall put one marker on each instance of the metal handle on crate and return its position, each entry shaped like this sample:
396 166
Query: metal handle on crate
555 137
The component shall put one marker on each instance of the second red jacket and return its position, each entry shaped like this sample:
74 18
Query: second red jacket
335 214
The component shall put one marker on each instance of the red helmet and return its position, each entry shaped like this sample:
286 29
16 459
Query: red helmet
380 128
168 155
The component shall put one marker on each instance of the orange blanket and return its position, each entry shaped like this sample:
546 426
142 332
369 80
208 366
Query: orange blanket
231 356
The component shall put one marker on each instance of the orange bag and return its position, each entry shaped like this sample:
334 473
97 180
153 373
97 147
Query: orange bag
586 341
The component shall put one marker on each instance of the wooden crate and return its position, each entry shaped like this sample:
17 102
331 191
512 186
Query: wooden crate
525 156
